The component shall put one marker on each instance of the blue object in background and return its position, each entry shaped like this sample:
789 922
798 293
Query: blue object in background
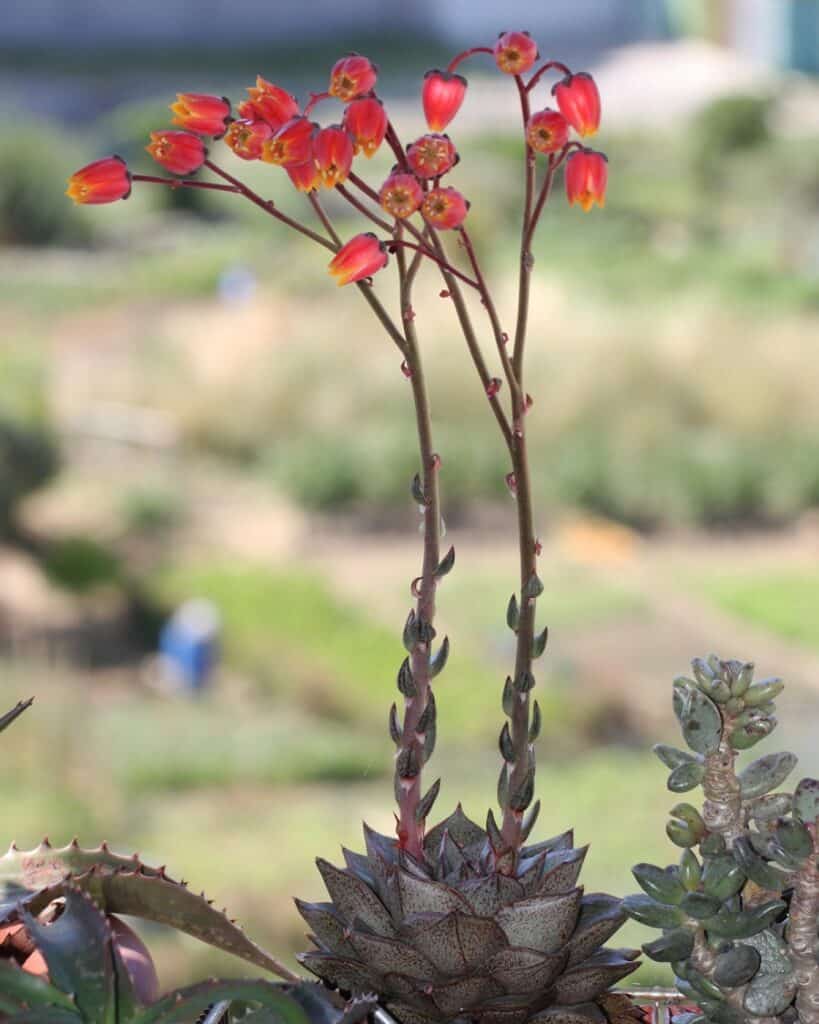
189 647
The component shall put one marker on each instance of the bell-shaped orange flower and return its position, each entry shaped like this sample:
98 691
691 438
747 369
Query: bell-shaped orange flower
515 52
444 208
432 155
361 257
333 153
365 120
547 131
305 177
352 76
247 138
401 195
202 114
442 95
579 102
177 152
103 181
269 103
292 144
587 174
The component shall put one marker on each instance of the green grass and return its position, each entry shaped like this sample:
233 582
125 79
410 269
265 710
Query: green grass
784 602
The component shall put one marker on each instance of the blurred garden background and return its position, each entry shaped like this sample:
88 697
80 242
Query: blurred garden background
190 409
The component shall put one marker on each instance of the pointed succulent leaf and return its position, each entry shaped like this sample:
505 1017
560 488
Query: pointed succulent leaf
410 634
438 661
763 691
388 956
23 988
525 970
600 917
16 711
463 830
563 841
340 972
686 777
661 884
456 942
742 924
417 490
700 906
329 929
699 718
806 801
509 697
590 979
770 995
736 966
524 682
452 996
703 673
503 787
513 613
539 642
675 944
407 763
765 774
445 565
521 797
561 870
743 679
722 877
428 715
543 923
78 949
420 897
585 1013
690 870
426 801
533 587
354 899
536 723
507 748
647 911
531 817
395 729
673 758
406 683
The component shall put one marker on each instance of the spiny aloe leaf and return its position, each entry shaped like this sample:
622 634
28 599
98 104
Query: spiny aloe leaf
27 989
16 711
78 949
181 1006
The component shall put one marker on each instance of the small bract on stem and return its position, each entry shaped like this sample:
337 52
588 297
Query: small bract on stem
407 218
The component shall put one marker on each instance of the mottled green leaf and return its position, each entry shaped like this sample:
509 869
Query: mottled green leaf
765 774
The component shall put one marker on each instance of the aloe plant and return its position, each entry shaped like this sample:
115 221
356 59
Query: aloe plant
739 911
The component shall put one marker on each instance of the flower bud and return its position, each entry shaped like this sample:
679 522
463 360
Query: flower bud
515 52
579 102
247 138
432 155
586 178
333 154
366 122
104 181
547 131
201 114
177 152
442 95
359 258
401 195
444 208
305 177
269 103
352 76
292 144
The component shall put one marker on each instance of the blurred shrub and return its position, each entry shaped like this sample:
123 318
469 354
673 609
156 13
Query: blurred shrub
80 564
33 207
731 124
151 510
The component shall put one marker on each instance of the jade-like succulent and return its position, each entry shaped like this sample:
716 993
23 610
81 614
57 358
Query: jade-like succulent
739 912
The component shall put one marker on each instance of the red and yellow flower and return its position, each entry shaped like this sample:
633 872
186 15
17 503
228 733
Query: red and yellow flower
333 154
352 76
444 208
547 131
586 178
365 120
579 102
103 181
442 95
515 52
202 114
247 138
269 103
292 144
305 177
401 195
177 152
432 155
361 257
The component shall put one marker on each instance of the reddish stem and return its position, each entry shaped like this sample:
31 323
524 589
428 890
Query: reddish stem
351 199
183 183
550 65
467 53
315 98
435 259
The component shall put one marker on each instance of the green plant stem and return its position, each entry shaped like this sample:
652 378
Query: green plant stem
803 913
411 750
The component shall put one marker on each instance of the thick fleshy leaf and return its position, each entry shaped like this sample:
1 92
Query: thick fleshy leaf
661 884
736 966
583 983
339 971
564 841
47 1015
672 757
769 995
722 877
600 917
699 717
182 1006
742 924
765 774
806 801
672 946
525 970
561 870
487 895
455 996
327 926
387 956
647 911
424 897
409 1014
506 1010
543 923
354 899
586 1013
456 943
24 988
462 829
359 865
